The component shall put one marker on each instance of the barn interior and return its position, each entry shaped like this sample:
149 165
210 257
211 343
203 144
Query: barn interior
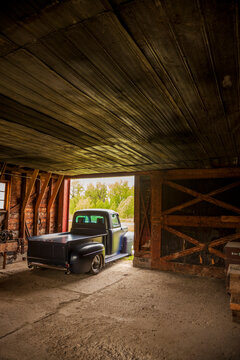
148 88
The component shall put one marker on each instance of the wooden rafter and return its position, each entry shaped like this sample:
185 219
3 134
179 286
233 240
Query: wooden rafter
39 200
52 199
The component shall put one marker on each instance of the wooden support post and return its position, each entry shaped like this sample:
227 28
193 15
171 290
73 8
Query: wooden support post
7 203
25 201
137 224
39 200
63 206
3 169
156 231
52 199
4 260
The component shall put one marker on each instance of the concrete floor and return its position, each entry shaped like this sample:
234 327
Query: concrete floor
122 313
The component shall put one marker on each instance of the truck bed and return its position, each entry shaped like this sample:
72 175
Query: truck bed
53 249
63 238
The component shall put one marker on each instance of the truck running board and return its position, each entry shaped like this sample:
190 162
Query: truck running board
115 257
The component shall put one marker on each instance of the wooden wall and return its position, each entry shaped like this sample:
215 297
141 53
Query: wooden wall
35 206
183 219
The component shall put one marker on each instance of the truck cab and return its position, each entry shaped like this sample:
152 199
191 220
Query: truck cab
101 221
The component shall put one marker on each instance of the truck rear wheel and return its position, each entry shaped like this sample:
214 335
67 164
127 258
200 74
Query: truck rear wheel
96 264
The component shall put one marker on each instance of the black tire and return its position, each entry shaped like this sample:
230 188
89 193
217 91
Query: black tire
96 265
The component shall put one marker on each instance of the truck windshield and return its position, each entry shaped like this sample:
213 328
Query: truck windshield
90 219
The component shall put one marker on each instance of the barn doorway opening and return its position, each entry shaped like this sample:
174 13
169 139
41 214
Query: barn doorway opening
112 193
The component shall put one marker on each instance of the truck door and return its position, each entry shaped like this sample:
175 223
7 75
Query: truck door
117 232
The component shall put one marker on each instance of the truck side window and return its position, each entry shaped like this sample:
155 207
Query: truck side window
115 221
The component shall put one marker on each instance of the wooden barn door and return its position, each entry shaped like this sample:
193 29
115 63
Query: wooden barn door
194 213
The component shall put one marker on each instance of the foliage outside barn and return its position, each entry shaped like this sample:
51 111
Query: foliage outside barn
118 196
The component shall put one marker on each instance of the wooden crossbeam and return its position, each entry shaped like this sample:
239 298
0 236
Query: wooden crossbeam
145 218
25 201
29 190
224 188
199 246
224 240
183 236
39 200
52 199
3 169
201 221
201 197
216 252
202 173
179 254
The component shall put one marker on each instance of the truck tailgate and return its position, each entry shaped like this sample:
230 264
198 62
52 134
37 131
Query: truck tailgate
47 252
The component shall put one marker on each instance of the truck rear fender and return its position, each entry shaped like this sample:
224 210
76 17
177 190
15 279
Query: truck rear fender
82 256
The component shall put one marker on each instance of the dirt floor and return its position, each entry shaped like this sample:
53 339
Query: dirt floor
122 313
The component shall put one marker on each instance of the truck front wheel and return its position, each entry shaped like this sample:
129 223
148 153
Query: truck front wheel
96 264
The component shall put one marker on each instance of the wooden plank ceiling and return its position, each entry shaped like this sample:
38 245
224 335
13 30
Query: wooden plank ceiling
112 86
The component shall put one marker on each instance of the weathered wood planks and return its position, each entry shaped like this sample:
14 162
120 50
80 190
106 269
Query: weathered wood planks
118 87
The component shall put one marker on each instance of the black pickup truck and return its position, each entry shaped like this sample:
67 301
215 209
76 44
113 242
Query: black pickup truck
96 238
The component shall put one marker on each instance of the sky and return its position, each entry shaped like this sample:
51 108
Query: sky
107 181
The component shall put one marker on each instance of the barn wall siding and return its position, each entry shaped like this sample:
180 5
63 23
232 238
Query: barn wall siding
19 184
192 216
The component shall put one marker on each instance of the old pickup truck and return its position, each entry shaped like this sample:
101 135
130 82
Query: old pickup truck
96 238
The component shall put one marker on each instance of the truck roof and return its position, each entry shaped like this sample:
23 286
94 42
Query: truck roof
97 210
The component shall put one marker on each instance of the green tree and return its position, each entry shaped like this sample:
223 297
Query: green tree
119 191
126 208
84 203
96 193
76 189
72 205
118 197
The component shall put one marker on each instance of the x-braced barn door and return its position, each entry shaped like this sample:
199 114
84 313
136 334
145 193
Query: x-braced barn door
189 219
